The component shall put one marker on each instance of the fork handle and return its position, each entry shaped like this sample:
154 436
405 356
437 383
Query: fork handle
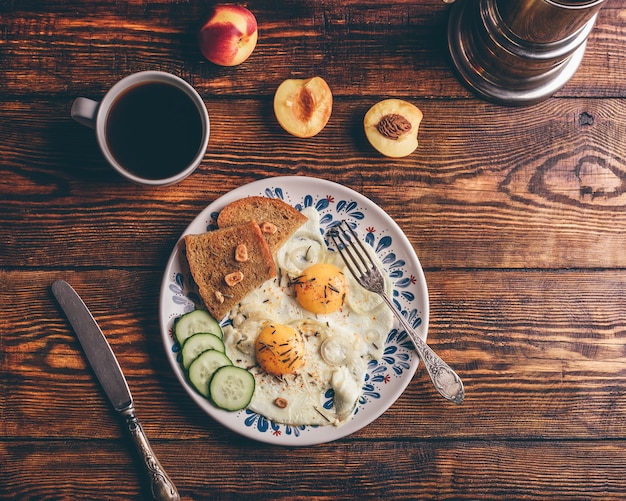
446 381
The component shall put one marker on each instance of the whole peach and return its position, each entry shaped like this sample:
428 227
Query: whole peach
229 35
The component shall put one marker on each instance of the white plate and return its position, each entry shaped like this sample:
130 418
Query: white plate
387 378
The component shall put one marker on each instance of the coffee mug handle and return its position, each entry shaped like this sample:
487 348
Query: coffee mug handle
84 111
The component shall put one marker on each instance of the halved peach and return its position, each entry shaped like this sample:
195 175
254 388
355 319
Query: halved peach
391 127
303 106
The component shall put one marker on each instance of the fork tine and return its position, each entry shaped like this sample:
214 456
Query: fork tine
356 256
356 263
364 253
342 248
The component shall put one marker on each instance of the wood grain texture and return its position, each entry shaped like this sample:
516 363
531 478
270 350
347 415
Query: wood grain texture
554 187
516 214
356 46
542 355
463 470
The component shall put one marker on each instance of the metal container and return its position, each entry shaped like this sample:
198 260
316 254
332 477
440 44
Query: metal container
519 52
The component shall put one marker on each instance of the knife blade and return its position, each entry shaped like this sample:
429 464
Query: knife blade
109 374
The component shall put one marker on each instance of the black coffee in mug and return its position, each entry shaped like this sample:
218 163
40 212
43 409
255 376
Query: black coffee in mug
154 130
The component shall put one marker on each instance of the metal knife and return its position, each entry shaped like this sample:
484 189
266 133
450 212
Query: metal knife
108 372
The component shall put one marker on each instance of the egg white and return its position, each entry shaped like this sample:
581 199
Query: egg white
348 338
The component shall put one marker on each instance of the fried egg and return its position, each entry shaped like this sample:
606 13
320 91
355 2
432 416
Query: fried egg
308 335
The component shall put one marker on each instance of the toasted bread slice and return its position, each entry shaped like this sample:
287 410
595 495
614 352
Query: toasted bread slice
229 263
283 219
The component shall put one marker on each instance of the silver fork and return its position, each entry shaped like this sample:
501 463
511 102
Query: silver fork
367 274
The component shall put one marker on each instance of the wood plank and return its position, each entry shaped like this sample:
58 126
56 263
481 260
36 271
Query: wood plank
361 48
541 355
483 190
225 469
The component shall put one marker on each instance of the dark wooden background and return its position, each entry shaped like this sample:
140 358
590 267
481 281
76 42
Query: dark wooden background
518 216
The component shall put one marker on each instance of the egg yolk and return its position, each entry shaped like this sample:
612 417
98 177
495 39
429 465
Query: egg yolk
321 288
280 349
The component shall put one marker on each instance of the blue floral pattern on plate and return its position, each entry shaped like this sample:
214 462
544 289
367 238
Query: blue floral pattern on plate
335 204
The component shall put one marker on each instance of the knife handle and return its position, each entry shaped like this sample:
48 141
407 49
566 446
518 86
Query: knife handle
161 485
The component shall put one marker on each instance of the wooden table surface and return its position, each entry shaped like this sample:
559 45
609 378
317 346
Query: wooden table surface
518 216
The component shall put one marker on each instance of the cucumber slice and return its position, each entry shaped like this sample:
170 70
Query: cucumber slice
197 343
202 368
231 388
193 322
